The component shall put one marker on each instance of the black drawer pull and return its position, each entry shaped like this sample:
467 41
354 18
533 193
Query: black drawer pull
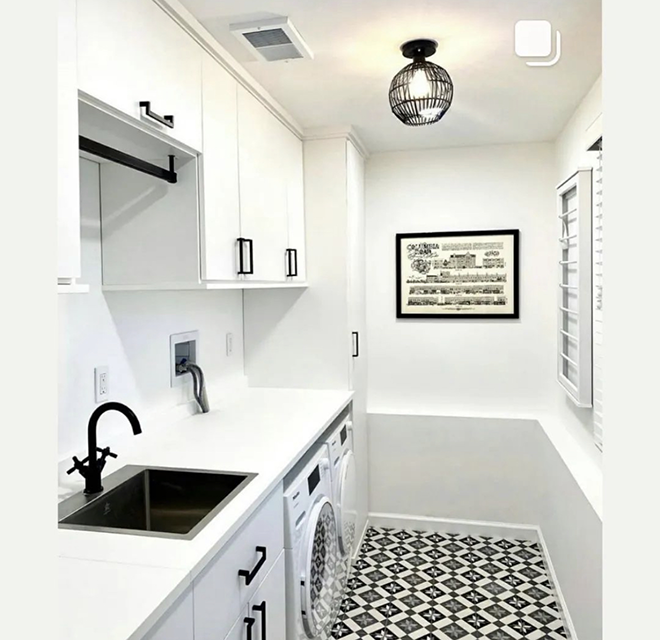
243 269
291 263
167 121
261 608
249 622
356 344
251 575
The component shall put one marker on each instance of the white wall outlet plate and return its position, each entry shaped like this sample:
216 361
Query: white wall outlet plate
230 343
101 384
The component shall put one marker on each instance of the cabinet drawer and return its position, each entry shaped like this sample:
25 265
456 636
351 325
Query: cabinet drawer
268 605
220 593
264 618
177 623
131 51
240 629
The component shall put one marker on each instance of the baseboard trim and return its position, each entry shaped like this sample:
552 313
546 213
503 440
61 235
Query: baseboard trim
566 615
448 525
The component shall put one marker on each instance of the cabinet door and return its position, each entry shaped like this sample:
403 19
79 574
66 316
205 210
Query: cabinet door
263 188
177 623
268 605
131 51
357 321
356 262
293 156
68 190
220 218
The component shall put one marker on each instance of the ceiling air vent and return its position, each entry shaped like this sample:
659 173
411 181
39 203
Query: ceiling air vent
272 40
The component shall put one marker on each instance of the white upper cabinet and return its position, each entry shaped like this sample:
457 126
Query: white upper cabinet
234 218
263 190
131 51
252 221
292 155
220 218
68 191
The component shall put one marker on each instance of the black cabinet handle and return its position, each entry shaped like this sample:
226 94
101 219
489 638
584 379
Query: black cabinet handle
250 575
243 269
356 344
261 608
167 121
251 256
249 622
291 263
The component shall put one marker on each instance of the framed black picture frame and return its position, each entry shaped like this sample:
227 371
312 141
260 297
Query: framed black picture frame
458 274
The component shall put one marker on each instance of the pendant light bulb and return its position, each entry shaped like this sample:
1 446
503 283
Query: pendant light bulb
419 85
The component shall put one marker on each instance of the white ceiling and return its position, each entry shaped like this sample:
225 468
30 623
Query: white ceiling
497 97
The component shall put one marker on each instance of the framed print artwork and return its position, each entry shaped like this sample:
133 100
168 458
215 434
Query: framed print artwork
457 274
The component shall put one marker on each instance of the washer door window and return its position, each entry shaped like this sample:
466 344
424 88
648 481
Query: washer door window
318 580
346 504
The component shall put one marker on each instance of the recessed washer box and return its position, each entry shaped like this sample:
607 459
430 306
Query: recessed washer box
182 345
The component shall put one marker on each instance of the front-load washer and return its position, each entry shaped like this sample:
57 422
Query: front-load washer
344 489
311 550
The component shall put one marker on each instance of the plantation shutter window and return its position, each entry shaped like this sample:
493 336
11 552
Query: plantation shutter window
574 354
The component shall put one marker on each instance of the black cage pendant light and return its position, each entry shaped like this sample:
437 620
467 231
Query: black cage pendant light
421 93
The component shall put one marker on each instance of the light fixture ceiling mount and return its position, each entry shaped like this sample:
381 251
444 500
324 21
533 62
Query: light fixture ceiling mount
419 49
422 92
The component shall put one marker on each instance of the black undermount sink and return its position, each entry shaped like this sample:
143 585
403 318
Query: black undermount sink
155 501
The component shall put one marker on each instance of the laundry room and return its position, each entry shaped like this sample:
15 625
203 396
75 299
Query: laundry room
330 320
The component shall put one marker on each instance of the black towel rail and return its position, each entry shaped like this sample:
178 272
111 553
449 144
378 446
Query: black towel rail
114 155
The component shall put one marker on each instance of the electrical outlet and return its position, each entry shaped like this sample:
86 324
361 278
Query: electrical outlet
230 343
101 384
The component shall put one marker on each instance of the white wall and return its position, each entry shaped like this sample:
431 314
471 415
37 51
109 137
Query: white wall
569 147
476 367
130 332
454 467
493 470
484 466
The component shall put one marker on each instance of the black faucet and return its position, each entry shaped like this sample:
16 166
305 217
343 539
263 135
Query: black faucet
92 470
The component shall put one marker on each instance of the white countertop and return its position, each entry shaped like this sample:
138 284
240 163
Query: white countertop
118 585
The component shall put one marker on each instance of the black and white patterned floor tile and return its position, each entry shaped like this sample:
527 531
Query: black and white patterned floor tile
437 586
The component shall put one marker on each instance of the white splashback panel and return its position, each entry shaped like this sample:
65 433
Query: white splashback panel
129 332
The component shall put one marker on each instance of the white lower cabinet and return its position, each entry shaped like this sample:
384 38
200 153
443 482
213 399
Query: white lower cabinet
177 623
264 618
224 589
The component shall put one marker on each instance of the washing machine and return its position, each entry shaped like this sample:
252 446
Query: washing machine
311 550
344 489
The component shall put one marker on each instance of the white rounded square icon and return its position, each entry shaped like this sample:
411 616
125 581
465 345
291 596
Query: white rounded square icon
533 38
